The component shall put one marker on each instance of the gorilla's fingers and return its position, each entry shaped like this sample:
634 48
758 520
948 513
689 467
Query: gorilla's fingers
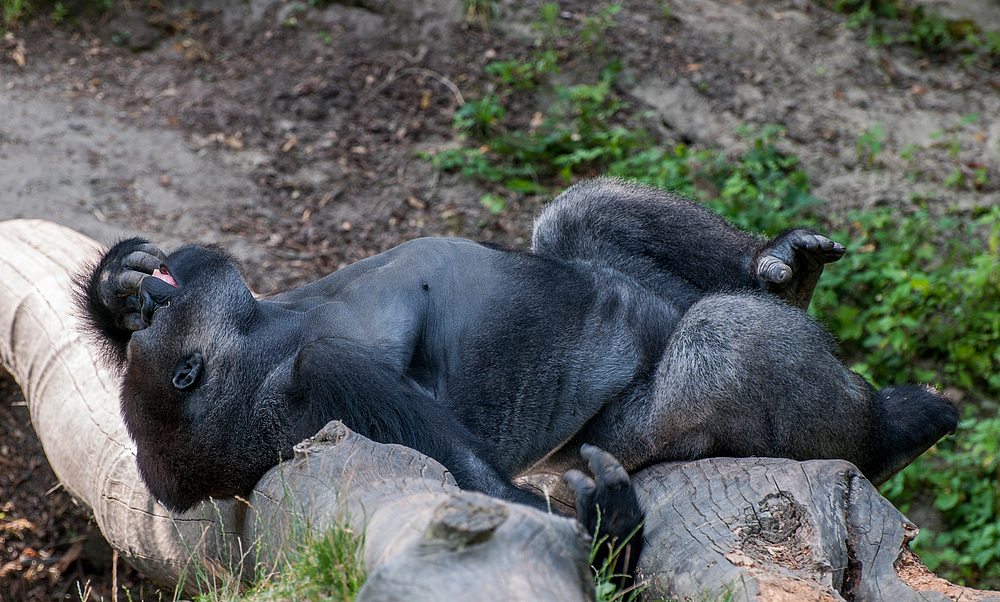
773 270
144 261
835 252
584 489
580 484
155 251
129 282
605 467
133 321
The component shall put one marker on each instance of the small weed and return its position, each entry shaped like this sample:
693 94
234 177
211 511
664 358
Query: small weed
317 566
479 13
870 143
990 42
481 117
607 584
956 179
548 24
494 202
12 11
60 12
594 33
326 567
980 178
929 32
960 474
923 29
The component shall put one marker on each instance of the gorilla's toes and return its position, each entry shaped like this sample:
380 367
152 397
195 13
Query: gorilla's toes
816 249
797 252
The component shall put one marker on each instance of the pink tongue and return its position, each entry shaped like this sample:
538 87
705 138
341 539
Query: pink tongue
164 277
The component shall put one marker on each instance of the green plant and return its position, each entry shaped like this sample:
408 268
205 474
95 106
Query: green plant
494 202
929 32
548 24
480 12
322 566
990 42
481 117
608 586
325 567
12 10
919 298
59 12
868 14
575 133
960 476
870 143
594 33
924 29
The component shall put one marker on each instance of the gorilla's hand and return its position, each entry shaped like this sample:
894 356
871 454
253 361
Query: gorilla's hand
122 287
607 506
791 264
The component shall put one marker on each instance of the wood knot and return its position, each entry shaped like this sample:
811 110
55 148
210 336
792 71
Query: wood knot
332 433
775 519
466 519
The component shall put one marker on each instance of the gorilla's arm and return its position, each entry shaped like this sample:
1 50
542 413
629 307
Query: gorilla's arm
383 404
340 379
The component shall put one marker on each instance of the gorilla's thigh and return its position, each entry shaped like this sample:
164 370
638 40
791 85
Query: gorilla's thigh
742 375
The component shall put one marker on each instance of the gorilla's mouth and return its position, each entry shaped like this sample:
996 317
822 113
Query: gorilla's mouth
163 275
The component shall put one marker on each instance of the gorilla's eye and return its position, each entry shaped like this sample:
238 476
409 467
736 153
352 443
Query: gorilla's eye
187 371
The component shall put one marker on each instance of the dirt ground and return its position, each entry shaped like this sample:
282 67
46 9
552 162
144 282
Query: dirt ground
289 134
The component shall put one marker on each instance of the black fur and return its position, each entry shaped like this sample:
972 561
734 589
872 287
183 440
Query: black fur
639 323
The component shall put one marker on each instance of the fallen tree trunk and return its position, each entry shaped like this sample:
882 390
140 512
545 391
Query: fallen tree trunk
758 528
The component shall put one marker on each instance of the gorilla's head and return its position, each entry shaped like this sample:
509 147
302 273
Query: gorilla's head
200 396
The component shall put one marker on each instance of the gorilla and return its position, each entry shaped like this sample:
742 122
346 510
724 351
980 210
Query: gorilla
639 328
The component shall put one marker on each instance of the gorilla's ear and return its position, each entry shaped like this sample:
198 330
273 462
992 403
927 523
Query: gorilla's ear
187 371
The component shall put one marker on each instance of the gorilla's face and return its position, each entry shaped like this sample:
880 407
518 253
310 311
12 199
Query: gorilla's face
192 395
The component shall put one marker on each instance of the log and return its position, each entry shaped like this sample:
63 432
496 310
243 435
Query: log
772 529
752 528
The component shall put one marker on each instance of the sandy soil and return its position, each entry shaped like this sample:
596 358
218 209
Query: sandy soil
288 134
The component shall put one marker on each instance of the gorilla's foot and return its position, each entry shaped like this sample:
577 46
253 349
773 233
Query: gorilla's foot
791 264
607 506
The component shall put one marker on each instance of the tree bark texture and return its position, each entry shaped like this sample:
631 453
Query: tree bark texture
757 529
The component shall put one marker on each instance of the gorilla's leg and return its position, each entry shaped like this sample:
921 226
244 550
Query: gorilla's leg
675 247
747 375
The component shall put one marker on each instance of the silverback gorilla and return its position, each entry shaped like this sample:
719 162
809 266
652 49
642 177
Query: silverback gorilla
639 328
